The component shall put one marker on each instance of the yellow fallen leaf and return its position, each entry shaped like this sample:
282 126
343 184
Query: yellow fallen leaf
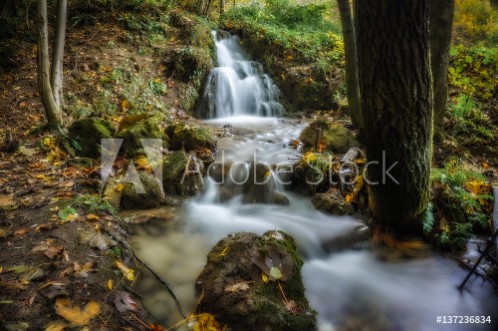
265 278
92 217
206 322
143 164
55 326
127 272
120 187
109 284
74 314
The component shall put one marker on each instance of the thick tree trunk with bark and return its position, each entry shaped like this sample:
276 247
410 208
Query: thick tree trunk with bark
56 77
395 88
441 22
53 112
352 87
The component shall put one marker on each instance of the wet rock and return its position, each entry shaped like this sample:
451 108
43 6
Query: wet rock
86 135
280 199
135 128
332 202
334 135
260 185
190 137
182 174
240 284
143 193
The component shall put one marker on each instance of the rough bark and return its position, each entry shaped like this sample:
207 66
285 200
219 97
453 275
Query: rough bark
352 87
54 116
56 77
441 21
395 88
7 8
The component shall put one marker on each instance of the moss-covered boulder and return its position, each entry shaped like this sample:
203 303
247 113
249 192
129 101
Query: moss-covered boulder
86 136
137 128
253 282
182 174
190 137
142 192
260 186
333 135
332 202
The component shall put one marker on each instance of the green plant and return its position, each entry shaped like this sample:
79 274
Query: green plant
93 204
462 204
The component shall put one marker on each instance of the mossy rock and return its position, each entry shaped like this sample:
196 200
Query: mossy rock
182 174
144 194
233 289
190 62
336 137
332 202
190 137
144 128
86 136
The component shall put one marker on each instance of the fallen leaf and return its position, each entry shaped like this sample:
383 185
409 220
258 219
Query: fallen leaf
82 271
241 286
95 238
124 302
110 284
127 272
21 232
19 269
265 278
55 326
92 217
17 326
74 314
275 273
67 214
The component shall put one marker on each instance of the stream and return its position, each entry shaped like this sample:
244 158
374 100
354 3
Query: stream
352 284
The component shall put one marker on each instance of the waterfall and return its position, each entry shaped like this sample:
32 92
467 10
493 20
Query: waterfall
238 86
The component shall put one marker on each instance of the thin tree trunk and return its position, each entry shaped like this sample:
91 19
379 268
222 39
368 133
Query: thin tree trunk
222 7
352 87
395 88
56 77
54 115
441 22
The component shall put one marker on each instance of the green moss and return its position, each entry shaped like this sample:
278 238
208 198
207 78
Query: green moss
190 137
176 180
146 129
86 136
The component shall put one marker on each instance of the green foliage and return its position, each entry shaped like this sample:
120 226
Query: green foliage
462 204
93 204
299 31
476 20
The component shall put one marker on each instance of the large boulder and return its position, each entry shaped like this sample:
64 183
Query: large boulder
253 282
135 128
260 186
332 202
182 174
86 135
190 137
335 137
143 193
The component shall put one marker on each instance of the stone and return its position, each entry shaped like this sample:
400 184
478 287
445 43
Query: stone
182 174
240 284
86 135
137 128
151 196
332 202
190 137
335 136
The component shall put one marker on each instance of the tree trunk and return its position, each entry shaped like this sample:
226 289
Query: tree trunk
395 88
56 77
8 8
222 7
352 88
440 24
54 115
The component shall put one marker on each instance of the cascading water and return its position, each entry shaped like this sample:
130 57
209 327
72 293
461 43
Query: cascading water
351 287
238 86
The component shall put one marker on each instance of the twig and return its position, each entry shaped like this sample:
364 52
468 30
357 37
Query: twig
156 276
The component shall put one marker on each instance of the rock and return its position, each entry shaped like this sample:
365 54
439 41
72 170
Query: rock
148 195
335 136
232 287
280 199
332 202
182 174
260 185
190 137
137 128
87 134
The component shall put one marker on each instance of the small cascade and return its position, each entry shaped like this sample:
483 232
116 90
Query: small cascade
238 86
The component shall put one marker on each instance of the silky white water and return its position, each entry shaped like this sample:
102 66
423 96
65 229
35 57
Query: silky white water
352 286
238 86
